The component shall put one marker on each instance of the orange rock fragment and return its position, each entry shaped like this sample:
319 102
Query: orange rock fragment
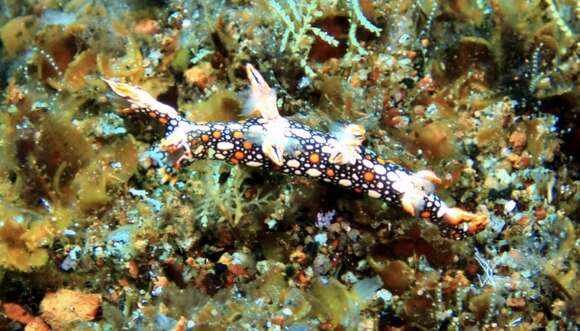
298 256
391 117
278 320
201 75
181 324
427 84
147 27
37 324
540 213
14 95
454 279
124 282
516 302
520 161
64 307
161 281
518 140
15 312
523 220
303 280
133 269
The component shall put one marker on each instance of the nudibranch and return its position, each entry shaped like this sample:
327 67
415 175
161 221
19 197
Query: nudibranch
271 141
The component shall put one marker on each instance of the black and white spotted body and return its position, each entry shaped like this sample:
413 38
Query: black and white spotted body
274 142
239 143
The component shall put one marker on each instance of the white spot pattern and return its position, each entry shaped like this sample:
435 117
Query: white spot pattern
293 163
225 145
313 172
368 163
345 182
379 169
301 133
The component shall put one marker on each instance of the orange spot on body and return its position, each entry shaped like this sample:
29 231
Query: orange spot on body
239 155
329 172
152 114
162 120
204 138
368 157
314 158
358 190
237 134
217 134
380 160
170 149
247 145
426 214
234 161
368 176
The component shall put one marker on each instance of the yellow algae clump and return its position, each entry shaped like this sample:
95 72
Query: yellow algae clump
436 140
489 134
21 240
50 153
221 106
53 161
129 66
201 75
25 234
81 66
17 34
340 305
114 164
91 186
557 268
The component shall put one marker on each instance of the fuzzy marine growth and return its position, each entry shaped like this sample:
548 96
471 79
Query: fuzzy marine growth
274 142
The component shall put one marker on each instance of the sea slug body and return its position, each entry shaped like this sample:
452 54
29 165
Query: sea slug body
274 142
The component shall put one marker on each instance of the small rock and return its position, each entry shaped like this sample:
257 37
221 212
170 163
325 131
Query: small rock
516 302
509 206
321 264
15 312
37 324
540 213
65 307
72 259
201 75
518 140
146 27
